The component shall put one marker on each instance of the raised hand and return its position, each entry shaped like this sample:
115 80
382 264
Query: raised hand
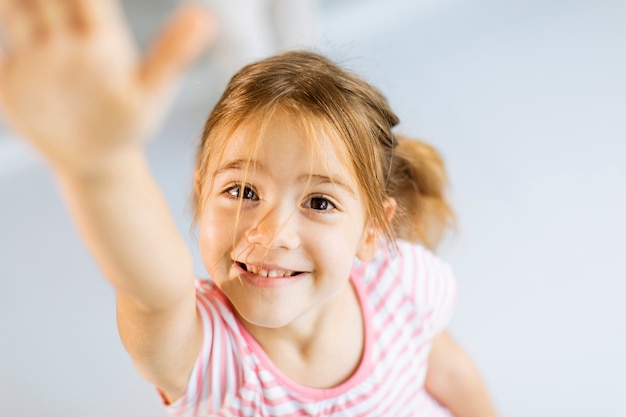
73 83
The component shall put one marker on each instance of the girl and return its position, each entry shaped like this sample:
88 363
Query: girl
311 215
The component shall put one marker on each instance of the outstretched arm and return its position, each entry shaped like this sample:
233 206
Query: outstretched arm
453 380
73 84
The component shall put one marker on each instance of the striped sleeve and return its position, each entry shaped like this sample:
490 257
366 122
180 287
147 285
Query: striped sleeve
216 374
432 284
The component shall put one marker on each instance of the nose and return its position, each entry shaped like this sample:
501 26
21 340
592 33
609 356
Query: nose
275 228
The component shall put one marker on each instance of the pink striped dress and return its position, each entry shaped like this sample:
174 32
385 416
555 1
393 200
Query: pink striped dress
406 299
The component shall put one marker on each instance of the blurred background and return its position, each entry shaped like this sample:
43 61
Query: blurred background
526 100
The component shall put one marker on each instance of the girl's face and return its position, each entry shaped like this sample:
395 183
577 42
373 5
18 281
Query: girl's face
281 226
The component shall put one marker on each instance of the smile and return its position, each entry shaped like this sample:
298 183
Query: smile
268 273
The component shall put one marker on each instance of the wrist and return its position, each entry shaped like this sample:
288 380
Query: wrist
117 164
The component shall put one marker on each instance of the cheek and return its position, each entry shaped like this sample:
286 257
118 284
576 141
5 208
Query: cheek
337 245
217 222
208 246
215 237
351 231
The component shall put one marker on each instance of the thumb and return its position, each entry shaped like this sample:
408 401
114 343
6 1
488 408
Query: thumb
181 41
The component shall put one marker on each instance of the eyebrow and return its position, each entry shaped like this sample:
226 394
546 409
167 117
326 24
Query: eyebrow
324 179
242 164
238 165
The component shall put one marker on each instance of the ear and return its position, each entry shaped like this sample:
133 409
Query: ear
370 240
390 208
196 182
368 244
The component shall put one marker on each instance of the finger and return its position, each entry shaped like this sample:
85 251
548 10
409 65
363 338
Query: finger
183 39
3 68
20 23
88 15
54 17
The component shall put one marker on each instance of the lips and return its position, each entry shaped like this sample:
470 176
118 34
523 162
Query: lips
268 272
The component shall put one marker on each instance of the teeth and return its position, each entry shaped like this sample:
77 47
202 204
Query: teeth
269 273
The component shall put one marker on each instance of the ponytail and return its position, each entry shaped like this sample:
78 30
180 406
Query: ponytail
417 182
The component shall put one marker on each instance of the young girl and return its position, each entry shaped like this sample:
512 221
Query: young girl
313 218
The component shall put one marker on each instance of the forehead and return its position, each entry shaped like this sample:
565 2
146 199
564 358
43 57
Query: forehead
287 140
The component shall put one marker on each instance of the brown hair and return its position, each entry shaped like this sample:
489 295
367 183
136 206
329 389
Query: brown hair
358 117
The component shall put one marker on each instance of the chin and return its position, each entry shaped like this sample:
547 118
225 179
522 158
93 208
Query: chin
266 319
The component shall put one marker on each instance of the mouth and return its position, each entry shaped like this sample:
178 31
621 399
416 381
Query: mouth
268 273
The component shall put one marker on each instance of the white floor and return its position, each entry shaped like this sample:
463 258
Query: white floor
526 99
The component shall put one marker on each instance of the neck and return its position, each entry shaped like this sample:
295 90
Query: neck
312 327
320 349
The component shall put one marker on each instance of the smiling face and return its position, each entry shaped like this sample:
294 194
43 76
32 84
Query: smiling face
281 224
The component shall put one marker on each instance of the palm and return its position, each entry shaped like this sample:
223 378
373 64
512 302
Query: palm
72 96
79 93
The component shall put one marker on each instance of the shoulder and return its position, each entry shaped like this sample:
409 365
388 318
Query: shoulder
411 270
419 262
432 284
214 306
218 371
406 262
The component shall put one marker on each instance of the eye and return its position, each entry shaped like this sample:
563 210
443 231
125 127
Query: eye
247 193
319 204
